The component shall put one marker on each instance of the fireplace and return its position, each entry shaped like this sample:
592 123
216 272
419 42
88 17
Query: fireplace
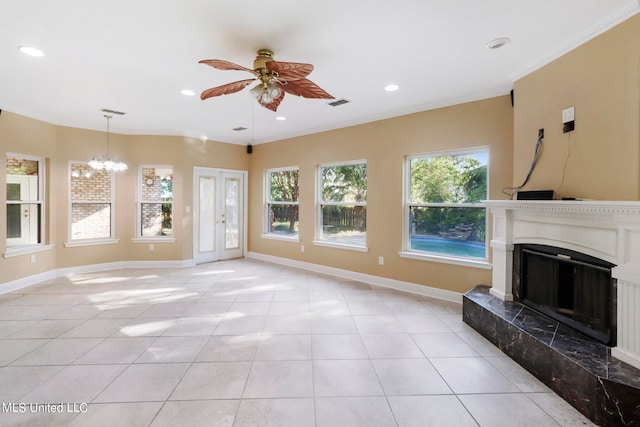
568 286
607 231
585 255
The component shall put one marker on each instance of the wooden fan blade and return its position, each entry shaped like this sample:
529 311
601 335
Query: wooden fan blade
225 65
226 89
290 70
273 106
305 88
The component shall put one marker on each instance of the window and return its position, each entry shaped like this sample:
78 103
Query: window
282 202
92 200
155 201
445 216
342 204
25 200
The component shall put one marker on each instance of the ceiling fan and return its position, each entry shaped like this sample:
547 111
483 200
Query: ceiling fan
274 79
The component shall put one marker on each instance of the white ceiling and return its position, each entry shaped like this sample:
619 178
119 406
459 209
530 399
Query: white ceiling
137 55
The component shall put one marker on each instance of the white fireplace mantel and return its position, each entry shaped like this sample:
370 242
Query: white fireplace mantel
608 230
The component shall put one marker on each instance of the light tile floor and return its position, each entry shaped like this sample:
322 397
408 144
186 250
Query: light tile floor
247 343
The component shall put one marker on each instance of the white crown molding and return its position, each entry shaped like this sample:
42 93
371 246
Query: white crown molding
594 31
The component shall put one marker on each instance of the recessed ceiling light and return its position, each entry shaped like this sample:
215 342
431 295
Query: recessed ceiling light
498 43
187 92
281 118
391 88
31 51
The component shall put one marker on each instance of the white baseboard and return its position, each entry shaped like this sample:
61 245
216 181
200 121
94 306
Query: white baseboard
15 285
317 268
366 278
18 284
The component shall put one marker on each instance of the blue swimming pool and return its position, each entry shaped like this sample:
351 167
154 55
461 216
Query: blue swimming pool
448 246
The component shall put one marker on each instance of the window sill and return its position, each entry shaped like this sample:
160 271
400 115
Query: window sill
292 239
340 246
91 242
24 250
154 240
465 262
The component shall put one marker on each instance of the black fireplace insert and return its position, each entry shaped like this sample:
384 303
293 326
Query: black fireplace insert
574 288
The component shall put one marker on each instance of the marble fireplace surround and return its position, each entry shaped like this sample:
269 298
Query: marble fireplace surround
601 382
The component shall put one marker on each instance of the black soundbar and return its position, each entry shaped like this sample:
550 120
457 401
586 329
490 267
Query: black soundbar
536 195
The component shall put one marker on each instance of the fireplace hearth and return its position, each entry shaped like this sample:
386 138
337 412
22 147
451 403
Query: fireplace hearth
577 367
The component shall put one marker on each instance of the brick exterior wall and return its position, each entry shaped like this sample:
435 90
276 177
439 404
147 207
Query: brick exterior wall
90 220
17 166
88 184
152 216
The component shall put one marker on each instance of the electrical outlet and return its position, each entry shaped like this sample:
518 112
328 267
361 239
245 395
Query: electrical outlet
381 260
151 247
540 133
301 248
33 259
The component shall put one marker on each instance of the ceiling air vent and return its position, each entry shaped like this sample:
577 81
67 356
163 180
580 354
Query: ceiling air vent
239 128
338 102
108 111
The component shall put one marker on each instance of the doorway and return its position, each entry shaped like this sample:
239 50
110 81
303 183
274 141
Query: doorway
219 214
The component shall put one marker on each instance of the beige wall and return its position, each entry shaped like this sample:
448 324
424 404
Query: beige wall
60 144
206 154
23 135
602 80
384 145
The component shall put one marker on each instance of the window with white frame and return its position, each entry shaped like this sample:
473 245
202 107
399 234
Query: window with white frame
342 203
91 203
25 200
282 189
155 201
443 209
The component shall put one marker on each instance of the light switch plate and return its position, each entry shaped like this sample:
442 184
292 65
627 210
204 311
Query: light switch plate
568 115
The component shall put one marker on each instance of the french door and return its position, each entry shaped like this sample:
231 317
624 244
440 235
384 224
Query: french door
219 214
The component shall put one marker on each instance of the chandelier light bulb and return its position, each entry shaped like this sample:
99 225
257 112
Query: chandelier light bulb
256 91
274 91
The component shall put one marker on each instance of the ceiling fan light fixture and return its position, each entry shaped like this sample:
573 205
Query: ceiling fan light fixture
266 92
274 79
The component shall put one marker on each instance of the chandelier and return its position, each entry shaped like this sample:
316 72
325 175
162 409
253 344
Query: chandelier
105 162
